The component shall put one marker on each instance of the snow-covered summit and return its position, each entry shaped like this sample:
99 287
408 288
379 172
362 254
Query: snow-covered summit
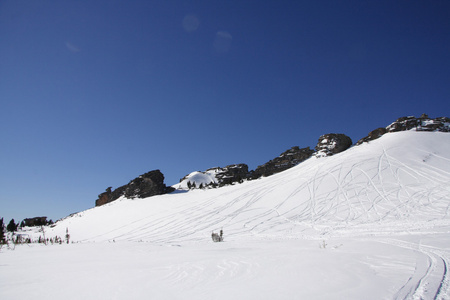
198 179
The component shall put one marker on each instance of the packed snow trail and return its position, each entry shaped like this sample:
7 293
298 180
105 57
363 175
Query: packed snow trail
430 279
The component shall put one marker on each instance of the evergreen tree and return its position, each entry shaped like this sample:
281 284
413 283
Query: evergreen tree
2 231
67 235
12 226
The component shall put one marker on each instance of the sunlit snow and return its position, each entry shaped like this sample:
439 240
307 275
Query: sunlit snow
369 223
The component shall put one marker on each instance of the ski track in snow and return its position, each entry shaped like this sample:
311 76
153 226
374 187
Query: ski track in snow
377 191
430 279
328 196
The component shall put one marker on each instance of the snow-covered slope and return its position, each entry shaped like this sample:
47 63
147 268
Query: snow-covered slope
396 183
369 223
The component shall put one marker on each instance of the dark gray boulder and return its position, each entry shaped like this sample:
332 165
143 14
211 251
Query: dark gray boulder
284 161
403 124
424 123
332 143
146 185
232 174
374 134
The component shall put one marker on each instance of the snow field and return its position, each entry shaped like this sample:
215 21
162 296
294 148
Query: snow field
251 269
369 223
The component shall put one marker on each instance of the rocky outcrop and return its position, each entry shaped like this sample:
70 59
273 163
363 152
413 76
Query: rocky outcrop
332 143
216 177
237 173
374 134
284 161
152 183
424 123
146 185
232 174
36 221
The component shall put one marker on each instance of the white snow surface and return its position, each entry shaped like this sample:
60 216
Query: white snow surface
369 223
199 178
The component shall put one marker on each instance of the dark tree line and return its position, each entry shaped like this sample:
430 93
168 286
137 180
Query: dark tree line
2 231
13 226
14 239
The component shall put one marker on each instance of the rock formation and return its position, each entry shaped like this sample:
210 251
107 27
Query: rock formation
332 143
237 173
217 176
284 161
146 185
36 221
232 174
374 134
152 183
424 123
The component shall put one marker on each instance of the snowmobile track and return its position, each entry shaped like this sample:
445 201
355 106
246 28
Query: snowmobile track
431 279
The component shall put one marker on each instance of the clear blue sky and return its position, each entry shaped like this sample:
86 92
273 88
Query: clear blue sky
95 93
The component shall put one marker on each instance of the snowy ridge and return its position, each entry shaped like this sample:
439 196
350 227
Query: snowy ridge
368 223
398 182
424 123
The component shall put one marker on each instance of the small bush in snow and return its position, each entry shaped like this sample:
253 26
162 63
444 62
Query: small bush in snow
217 237
67 235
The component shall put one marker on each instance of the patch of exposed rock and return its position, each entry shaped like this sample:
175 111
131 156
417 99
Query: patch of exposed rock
152 183
232 174
284 161
332 143
237 173
36 221
424 123
146 185
217 176
374 134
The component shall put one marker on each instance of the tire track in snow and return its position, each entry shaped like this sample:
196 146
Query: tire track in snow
330 193
398 182
430 280
208 271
